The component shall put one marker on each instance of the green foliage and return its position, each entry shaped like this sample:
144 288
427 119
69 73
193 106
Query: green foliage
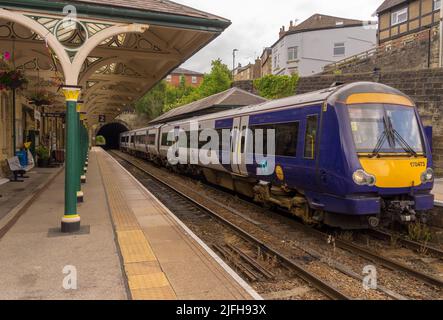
419 232
100 141
218 80
42 152
152 103
164 97
276 87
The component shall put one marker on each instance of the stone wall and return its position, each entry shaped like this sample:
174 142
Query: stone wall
247 85
415 51
424 86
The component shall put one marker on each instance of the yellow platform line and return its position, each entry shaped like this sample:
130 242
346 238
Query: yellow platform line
146 280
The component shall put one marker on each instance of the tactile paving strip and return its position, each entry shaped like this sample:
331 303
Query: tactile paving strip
145 278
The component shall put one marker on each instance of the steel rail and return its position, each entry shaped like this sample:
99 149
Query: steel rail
414 245
321 285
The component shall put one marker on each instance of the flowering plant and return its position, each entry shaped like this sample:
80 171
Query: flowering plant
42 98
10 79
13 79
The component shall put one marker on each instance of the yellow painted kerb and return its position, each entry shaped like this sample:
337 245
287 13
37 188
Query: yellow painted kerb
395 172
362 98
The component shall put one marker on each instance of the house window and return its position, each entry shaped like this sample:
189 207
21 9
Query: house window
399 16
437 5
339 49
292 53
169 78
194 79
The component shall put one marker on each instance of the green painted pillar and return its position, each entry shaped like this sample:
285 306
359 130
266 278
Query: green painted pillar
79 166
81 158
71 219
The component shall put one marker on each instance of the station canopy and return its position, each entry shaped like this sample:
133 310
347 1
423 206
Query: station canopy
116 50
229 99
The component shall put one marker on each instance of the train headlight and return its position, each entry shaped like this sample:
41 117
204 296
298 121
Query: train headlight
427 176
362 178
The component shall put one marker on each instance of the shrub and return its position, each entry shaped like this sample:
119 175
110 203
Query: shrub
100 141
42 152
276 87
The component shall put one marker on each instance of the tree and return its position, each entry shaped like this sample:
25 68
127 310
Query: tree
152 102
218 80
164 97
276 87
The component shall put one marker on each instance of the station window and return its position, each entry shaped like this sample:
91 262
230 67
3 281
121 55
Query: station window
339 49
399 16
311 136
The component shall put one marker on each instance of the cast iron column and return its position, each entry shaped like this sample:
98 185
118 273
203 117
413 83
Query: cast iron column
71 219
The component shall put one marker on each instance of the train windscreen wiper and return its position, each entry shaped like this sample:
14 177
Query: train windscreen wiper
381 140
397 136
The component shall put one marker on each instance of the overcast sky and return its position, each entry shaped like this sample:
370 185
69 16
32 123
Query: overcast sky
256 23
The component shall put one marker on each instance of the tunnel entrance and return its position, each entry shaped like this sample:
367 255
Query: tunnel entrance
112 132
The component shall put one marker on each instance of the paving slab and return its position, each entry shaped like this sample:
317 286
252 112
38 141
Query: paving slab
33 264
188 268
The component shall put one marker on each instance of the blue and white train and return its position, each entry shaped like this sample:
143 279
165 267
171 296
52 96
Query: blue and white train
349 156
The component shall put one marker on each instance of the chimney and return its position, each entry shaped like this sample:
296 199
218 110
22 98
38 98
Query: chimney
282 32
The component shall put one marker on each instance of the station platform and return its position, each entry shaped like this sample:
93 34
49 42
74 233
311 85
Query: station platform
130 247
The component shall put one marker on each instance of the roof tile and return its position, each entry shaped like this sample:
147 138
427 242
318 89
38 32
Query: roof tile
156 6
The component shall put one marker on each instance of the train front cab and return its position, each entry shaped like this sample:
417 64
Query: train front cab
375 160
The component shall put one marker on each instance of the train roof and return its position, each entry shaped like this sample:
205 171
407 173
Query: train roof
331 95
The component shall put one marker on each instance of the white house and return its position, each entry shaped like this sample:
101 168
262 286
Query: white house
320 40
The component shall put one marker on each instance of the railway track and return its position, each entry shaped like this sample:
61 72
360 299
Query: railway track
321 285
176 200
407 243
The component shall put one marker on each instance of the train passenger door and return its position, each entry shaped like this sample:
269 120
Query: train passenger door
238 145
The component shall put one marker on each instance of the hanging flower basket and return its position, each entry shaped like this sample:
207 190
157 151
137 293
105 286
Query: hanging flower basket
42 98
12 79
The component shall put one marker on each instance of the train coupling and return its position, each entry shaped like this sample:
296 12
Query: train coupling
402 210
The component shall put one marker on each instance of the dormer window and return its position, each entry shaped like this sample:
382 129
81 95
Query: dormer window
399 16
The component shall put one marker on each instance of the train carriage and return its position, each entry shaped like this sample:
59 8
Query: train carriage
348 156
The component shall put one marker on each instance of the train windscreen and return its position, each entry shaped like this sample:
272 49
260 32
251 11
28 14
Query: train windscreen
382 128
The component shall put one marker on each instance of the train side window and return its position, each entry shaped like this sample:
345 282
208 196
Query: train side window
311 136
286 136
243 133
165 141
151 139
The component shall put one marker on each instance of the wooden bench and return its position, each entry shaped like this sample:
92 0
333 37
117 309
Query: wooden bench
18 170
